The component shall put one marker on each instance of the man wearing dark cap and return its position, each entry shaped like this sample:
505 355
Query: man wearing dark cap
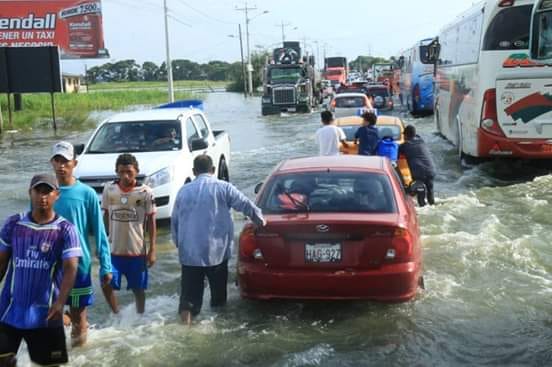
420 163
39 254
203 232
79 204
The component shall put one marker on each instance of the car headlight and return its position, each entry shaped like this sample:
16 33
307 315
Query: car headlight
160 177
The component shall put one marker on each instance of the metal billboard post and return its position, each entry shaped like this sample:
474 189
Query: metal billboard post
53 110
10 117
1 121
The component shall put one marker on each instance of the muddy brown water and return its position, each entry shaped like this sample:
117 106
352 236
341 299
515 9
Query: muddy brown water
487 261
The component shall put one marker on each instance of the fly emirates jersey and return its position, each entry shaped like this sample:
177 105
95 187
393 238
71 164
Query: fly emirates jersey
35 268
127 210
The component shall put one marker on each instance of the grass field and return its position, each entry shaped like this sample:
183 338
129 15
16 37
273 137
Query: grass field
185 84
73 110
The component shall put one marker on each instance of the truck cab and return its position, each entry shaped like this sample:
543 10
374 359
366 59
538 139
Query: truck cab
165 143
289 83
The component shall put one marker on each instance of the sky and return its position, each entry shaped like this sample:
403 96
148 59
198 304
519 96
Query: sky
205 30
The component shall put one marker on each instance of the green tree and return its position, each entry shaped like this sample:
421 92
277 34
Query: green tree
149 71
258 60
364 63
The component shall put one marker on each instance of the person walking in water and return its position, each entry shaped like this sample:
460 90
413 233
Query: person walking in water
329 136
79 204
203 232
39 252
129 211
420 162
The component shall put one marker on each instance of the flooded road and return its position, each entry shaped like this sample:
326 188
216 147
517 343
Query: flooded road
487 261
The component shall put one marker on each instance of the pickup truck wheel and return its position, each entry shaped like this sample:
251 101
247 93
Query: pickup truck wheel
223 173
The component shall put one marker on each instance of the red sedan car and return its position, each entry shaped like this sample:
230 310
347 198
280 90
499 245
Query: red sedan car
338 228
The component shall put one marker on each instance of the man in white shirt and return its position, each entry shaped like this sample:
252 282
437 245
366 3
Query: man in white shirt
329 136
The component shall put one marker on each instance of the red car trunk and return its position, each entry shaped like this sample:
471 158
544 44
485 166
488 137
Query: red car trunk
359 243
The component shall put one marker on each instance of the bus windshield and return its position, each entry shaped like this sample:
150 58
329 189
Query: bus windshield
509 30
545 35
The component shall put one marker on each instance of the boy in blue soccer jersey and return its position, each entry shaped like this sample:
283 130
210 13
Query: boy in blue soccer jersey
79 204
39 254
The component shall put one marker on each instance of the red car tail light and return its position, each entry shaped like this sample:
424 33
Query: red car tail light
248 242
489 119
332 104
401 249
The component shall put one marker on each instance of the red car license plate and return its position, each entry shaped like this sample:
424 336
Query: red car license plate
322 252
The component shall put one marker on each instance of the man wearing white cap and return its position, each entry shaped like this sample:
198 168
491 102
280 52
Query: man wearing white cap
79 204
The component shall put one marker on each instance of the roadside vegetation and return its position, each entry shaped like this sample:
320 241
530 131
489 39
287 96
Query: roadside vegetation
179 84
73 109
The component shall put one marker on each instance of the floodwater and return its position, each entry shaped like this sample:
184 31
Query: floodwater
487 263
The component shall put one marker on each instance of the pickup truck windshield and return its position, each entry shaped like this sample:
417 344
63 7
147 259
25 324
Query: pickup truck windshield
137 136
285 74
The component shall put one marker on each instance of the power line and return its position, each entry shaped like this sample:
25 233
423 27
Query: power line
179 21
205 14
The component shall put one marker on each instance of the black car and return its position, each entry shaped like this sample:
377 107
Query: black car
381 98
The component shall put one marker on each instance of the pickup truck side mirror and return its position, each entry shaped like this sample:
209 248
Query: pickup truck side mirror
199 144
79 148
258 187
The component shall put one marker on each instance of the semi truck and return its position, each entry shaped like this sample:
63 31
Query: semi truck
289 81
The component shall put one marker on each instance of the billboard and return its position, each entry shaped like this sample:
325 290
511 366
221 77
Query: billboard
29 70
75 26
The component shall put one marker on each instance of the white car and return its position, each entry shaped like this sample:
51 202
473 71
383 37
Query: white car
165 142
349 104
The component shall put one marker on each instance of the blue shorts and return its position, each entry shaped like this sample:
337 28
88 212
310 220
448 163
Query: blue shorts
134 269
82 294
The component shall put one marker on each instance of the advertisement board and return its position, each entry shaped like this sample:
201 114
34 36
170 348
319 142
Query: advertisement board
75 26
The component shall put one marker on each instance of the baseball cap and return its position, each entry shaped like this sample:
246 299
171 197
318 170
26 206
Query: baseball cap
45 179
64 149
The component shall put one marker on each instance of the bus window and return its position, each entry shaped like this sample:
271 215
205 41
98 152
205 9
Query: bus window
509 30
545 35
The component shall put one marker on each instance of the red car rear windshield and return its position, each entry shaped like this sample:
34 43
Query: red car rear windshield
329 192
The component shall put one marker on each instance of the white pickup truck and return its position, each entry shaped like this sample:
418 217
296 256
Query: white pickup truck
165 142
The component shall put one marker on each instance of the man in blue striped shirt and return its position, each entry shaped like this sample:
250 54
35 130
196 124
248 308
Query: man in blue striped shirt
39 251
203 231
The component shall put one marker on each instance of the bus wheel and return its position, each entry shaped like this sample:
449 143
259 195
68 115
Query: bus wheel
466 160
459 140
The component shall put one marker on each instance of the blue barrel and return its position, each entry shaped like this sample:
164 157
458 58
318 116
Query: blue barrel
387 147
185 103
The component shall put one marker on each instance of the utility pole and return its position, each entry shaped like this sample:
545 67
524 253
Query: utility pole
283 25
243 63
249 66
169 63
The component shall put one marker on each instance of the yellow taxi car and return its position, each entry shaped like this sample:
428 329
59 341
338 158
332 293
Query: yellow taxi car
387 126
